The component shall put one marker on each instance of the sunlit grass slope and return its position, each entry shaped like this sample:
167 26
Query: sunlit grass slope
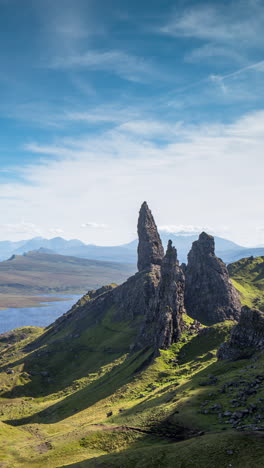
248 277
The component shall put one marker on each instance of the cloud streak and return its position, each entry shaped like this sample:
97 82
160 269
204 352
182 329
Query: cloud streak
218 23
129 67
225 33
94 225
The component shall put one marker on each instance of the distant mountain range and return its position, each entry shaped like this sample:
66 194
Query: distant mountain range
227 250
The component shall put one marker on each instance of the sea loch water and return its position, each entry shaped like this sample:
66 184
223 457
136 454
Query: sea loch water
35 316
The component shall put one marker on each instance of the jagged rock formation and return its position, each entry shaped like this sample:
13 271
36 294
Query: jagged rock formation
152 300
163 323
150 249
209 294
247 336
170 299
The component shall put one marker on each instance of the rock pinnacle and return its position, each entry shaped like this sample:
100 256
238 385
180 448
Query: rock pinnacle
150 249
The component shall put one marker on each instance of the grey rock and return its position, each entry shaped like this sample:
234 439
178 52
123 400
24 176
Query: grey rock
209 294
169 301
246 338
150 249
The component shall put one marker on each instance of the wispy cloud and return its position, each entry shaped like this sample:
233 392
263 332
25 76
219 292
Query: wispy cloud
226 31
184 229
117 62
189 229
42 115
213 52
218 22
258 66
94 225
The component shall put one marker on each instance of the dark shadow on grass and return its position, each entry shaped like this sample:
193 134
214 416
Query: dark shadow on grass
61 356
91 394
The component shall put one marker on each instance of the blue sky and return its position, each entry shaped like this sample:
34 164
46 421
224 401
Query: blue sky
106 104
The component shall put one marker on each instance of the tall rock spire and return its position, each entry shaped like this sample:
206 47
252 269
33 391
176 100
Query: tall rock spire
164 298
150 250
170 300
209 294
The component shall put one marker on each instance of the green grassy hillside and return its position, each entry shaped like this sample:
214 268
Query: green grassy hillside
248 277
73 395
80 399
37 273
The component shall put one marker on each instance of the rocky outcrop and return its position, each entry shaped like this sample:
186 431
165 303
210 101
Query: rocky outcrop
247 336
170 300
151 301
209 294
163 322
150 249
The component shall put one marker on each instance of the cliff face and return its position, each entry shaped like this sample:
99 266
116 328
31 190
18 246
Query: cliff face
247 336
209 294
163 321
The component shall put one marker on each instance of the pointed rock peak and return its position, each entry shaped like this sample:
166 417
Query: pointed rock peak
170 247
150 250
206 243
209 294
171 253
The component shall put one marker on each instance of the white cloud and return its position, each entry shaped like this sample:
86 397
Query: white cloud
226 33
214 52
152 128
204 175
93 225
221 23
117 62
184 229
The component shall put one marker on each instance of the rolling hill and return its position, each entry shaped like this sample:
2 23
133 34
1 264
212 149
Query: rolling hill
44 273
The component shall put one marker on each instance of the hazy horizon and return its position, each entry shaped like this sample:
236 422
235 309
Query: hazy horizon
161 231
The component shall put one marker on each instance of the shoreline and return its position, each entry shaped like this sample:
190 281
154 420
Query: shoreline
15 301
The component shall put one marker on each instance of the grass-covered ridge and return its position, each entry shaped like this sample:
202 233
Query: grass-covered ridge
248 277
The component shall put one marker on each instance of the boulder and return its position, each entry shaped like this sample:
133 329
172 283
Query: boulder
246 338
